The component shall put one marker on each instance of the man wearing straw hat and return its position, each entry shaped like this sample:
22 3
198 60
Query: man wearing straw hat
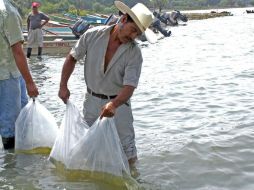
112 68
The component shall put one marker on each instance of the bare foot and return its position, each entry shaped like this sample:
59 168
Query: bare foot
133 169
132 161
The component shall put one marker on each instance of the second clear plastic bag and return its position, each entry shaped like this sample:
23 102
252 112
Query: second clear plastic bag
100 150
72 129
35 129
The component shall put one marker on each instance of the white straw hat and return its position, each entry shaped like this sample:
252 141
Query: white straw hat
142 17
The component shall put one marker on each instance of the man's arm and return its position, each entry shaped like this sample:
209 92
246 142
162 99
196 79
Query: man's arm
28 23
45 18
67 70
45 22
125 94
21 63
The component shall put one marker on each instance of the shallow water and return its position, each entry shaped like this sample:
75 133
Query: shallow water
193 112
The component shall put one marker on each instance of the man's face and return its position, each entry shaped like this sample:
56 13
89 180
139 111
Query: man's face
35 9
128 31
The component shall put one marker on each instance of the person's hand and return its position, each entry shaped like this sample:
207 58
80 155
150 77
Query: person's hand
32 89
64 93
108 110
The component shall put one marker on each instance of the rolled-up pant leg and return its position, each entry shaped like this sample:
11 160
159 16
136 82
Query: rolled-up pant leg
10 106
125 129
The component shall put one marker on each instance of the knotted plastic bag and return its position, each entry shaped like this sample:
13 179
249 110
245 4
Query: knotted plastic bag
35 129
100 150
72 129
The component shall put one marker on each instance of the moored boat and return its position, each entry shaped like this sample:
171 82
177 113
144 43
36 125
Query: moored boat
52 37
249 11
58 30
63 20
56 24
92 19
56 47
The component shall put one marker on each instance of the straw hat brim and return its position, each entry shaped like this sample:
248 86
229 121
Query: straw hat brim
150 36
126 10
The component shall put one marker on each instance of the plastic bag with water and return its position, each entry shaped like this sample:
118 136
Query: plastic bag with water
100 150
96 150
35 129
72 129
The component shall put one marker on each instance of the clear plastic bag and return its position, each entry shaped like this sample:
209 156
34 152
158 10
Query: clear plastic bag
96 150
35 129
72 129
100 150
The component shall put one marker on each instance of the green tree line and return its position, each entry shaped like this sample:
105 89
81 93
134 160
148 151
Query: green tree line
82 7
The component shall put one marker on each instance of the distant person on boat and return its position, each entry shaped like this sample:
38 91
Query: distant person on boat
35 21
13 71
112 68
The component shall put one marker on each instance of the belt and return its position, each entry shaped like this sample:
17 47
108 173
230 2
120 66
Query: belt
102 96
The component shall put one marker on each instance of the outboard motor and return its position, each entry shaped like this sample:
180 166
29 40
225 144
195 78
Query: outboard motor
80 27
112 19
160 17
156 24
180 16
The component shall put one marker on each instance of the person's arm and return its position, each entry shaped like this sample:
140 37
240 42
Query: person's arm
46 20
21 63
78 52
67 70
28 23
125 94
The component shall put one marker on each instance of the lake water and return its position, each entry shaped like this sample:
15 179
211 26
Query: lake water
193 110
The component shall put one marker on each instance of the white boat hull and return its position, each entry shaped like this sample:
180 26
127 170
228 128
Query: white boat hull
54 47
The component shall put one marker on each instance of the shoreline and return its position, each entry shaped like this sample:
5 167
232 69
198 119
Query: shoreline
212 14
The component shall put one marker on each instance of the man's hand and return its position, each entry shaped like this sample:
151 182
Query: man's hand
64 93
108 110
32 90
68 67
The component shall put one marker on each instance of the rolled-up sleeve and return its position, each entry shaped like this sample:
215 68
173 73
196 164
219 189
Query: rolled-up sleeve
80 49
12 29
133 68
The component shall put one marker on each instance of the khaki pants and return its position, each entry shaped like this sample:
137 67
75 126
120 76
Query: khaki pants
123 120
35 38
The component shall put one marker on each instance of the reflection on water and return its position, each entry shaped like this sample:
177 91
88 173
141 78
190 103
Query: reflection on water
105 180
193 112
